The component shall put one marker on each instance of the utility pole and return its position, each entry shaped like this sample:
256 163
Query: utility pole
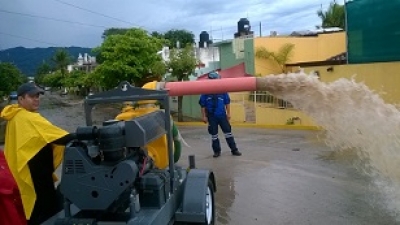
260 30
346 30
212 48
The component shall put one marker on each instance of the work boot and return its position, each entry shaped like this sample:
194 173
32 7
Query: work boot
236 153
216 154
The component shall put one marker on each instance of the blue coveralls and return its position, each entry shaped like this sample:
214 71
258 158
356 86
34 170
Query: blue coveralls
216 114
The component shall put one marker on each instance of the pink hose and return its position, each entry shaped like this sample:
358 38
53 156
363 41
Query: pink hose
210 86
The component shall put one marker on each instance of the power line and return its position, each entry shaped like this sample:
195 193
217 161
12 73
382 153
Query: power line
97 13
301 12
217 30
183 5
50 18
30 39
230 28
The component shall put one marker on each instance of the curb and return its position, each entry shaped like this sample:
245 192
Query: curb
282 127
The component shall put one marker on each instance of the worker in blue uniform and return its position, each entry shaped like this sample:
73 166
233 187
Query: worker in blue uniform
215 109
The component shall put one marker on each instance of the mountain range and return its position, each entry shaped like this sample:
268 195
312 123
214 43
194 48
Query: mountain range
28 59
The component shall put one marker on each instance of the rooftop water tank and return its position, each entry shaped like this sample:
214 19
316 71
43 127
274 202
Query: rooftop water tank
243 25
204 38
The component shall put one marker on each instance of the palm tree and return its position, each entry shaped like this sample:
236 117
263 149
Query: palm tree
282 57
333 17
61 59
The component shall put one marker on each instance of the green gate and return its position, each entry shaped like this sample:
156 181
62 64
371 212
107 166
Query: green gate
373 29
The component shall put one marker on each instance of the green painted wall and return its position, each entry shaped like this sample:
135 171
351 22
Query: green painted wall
373 31
249 56
191 107
227 57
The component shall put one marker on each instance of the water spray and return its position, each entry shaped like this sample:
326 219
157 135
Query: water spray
353 117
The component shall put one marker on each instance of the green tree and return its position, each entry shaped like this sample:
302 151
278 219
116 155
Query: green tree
281 58
183 36
107 33
162 37
157 71
129 57
182 62
10 78
76 78
91 80
158 68
333 17
157 35
43 69
54 79
113 31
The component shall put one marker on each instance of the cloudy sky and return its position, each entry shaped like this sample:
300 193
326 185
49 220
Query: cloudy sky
46 23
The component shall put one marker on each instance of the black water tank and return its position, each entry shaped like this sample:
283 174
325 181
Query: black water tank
204 38
243 25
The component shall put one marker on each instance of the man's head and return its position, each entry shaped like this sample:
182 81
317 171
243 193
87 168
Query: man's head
213 75
28 96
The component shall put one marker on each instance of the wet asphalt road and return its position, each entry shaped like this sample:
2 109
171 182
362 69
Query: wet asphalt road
286 177
283 177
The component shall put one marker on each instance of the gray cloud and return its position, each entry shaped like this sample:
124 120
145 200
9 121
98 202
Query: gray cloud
20 27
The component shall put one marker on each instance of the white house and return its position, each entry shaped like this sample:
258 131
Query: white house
85 63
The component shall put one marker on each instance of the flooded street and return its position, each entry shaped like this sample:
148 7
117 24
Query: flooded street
287 177
283 177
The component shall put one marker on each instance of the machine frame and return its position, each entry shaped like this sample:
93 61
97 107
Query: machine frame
191 191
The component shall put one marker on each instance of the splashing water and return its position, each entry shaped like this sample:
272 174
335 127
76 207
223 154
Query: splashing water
354 117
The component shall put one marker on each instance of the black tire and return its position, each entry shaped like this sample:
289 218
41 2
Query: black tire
210 208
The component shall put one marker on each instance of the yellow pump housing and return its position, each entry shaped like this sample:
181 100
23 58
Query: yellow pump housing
157 149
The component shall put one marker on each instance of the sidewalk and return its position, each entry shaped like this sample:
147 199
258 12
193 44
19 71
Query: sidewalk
250 125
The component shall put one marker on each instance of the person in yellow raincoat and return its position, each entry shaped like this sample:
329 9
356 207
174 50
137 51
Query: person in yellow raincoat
33 149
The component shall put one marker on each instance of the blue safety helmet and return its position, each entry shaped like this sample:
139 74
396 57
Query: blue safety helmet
213 75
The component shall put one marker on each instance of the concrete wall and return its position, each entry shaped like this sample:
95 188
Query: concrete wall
274 116
191 108
313 48
227 56
265 114
207 55
384 78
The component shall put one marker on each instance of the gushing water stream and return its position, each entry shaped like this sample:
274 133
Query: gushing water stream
355 118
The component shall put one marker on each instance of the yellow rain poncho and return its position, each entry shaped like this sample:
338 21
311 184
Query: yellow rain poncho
26 134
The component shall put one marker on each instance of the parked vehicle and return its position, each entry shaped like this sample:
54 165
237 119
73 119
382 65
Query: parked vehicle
13 95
